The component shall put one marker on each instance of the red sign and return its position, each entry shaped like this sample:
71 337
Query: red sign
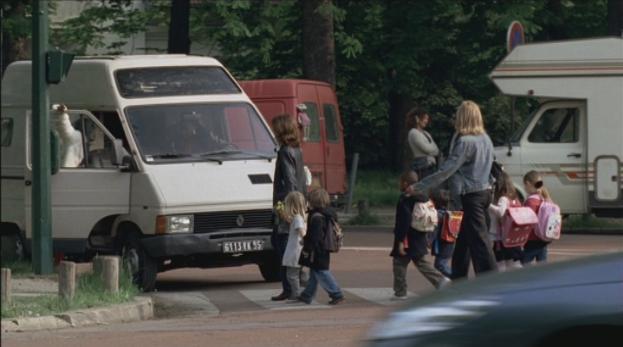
514 36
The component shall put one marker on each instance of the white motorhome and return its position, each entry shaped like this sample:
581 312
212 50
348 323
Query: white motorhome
575 137
176 171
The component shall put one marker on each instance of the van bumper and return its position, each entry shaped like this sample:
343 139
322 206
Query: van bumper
172 245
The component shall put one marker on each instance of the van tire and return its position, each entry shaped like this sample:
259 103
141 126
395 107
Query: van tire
270 269
138 263
13 245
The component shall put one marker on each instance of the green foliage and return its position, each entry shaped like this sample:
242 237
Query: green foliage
89 293
380 188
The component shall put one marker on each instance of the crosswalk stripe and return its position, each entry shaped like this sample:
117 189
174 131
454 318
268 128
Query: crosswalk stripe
262 298
381 296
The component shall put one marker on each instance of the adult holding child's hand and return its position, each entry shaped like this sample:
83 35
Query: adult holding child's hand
470 163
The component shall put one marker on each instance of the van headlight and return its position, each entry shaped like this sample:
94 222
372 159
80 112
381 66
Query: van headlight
430 319
174 224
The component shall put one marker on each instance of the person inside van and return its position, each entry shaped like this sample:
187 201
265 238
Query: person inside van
70 139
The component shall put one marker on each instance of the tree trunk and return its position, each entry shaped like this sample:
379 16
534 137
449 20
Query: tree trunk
398 153
615 17
13 48
179 37
318 41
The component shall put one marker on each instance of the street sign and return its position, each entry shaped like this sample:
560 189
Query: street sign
514 36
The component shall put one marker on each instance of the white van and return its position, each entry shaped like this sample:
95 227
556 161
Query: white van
575 137
176 172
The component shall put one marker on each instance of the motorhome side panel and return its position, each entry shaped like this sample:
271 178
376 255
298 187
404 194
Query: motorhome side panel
13 158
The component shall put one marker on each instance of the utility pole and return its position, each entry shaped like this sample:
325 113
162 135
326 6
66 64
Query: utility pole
41 202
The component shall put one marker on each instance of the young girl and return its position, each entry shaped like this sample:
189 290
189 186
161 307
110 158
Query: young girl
314 254
504 195
416 246
295 215
535 248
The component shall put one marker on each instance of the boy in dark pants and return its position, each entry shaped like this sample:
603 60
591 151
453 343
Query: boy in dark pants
410 244
442 250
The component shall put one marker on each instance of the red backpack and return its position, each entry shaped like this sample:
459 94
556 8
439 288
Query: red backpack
451 225
517 224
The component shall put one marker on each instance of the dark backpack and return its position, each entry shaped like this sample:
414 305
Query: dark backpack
333 237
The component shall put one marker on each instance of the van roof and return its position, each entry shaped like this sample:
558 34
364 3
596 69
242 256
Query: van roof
95 73
276 88
602 56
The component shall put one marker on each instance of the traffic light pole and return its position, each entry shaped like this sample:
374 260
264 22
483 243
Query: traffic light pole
41 211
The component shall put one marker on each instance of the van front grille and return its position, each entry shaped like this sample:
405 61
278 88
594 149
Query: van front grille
215 221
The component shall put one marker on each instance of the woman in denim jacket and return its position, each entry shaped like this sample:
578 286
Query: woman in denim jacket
469 167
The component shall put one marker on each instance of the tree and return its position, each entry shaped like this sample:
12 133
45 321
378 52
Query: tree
179 35
318 40
615 17
16 29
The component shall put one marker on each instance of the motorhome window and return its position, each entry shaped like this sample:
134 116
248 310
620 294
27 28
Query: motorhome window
7 132
557 125
314 126
112 123
174 81
198 132
330 119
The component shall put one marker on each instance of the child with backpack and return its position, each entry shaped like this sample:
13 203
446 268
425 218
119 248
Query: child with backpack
548 227
294 211
505 196
315 255
414 221
440 248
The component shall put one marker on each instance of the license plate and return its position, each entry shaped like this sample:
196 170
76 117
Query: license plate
243 246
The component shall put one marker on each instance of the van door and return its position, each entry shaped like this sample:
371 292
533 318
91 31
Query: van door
313 148
554 145
334 143
85 193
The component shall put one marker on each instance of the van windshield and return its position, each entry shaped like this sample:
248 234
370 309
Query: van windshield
200 132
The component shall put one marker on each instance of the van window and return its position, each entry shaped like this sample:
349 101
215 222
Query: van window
83 144
557 125
314 126
330 121
174 81
7 132
199 132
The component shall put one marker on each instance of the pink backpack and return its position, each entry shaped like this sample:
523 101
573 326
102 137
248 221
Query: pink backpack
550 220
517 224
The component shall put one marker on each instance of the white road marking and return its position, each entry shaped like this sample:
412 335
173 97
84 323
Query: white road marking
551 250
262 298
192 301
382 296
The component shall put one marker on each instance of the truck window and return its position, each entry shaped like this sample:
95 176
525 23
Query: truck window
83 144
174 81
198 132
330 119
314 126
557 125
7 132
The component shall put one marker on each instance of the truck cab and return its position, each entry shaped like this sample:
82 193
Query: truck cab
175 170
574 138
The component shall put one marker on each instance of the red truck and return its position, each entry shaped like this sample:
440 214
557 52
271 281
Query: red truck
323 147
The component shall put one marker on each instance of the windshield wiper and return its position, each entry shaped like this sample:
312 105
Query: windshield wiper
236 151
169 155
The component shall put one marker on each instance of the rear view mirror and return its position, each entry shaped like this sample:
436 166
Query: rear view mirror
121 157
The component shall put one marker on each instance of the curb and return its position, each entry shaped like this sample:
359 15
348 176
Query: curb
141 308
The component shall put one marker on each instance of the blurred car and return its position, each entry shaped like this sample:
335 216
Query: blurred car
573 303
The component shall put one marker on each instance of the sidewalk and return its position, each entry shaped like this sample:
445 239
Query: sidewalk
28 287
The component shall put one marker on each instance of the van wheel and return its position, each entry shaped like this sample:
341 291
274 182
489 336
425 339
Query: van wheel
12 244
270 269
138 263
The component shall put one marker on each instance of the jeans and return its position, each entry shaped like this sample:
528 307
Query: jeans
473 240
443 266
280 241
426 269
293 277
530 254
327 282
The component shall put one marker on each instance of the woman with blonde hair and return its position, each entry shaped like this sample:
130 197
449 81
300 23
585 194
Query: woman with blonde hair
470 163
289 176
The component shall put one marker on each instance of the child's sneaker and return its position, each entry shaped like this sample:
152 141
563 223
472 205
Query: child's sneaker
443 283
336 301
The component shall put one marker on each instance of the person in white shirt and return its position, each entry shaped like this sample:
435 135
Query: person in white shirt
423 147
72 152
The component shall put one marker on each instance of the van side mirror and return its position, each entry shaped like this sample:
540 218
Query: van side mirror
55 157
121 157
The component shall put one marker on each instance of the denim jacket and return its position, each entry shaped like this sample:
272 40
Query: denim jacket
469 165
